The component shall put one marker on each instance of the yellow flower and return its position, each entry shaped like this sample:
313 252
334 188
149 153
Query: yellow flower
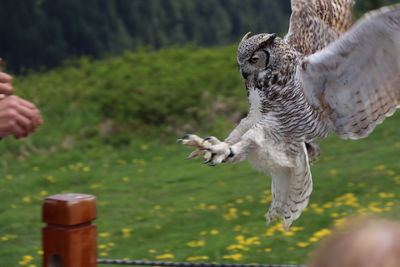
246 213
239 201
51 179
43 193
152 251
196 258
103 254
102 246
86 169
9 177
144 147
379 168
333 172
165 256
95 186
237 247
26 199
27 258
267 249
194 244
40 252
235 257
104 234
35 168
289 233
313 239
214 232
390 172
303 244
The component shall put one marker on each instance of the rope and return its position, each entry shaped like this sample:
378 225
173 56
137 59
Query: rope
185 264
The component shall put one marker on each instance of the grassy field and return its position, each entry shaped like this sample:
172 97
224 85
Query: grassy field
154 205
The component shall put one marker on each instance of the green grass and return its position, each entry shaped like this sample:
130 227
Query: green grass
152 203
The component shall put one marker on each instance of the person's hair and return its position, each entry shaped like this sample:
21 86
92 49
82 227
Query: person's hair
360 243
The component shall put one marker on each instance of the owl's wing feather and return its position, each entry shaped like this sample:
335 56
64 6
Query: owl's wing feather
355 81
316 23
291 189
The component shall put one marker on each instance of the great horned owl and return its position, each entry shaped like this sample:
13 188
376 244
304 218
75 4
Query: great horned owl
325 76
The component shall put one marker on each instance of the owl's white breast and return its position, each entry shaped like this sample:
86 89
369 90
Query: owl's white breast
255 105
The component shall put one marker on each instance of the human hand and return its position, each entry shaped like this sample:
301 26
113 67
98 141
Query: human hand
18 117
5 84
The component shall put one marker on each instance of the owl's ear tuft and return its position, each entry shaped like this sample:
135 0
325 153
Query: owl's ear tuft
268 39
246 36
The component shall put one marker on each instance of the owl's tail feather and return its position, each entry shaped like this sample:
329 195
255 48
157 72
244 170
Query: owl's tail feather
291 190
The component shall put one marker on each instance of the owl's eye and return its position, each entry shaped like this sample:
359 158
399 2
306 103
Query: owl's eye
254 59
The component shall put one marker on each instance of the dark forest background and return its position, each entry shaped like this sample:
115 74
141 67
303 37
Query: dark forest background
40 34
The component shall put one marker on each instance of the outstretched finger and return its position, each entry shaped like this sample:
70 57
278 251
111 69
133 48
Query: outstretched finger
5 78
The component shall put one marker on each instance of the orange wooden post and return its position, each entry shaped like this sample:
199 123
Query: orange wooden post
69 239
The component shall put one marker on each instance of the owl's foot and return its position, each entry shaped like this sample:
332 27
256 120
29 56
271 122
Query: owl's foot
214 151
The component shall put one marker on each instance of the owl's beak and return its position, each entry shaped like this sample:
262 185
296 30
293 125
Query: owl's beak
245 75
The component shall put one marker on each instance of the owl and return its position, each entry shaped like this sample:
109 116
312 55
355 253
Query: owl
325 76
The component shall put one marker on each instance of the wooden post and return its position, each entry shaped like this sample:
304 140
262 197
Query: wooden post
69 239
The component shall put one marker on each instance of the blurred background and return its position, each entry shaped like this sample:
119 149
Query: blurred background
118 81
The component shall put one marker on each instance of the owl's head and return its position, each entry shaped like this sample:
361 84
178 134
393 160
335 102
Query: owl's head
256 53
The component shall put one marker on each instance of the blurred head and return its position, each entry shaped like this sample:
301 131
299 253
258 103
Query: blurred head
361 243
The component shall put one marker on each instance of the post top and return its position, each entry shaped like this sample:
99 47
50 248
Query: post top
69 209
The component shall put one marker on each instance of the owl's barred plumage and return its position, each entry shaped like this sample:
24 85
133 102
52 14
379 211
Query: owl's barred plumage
324 76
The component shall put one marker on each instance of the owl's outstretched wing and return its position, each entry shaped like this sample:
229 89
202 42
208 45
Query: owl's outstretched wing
355 81
316 23
291 189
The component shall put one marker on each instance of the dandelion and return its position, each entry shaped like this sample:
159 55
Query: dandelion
26 199
40 252
43 193
51 179
104 234
214 232
333 172
35 168
303 244
103 254
194 244
126 232
144 147
9 177
239 201
158 158
111 244
313 239
213 207
235 257
86 169
379 168
102 246
196 258
390 172
246 213
237 247
152 251
125 179
96 186
289 233
165 256
267 249
203 233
